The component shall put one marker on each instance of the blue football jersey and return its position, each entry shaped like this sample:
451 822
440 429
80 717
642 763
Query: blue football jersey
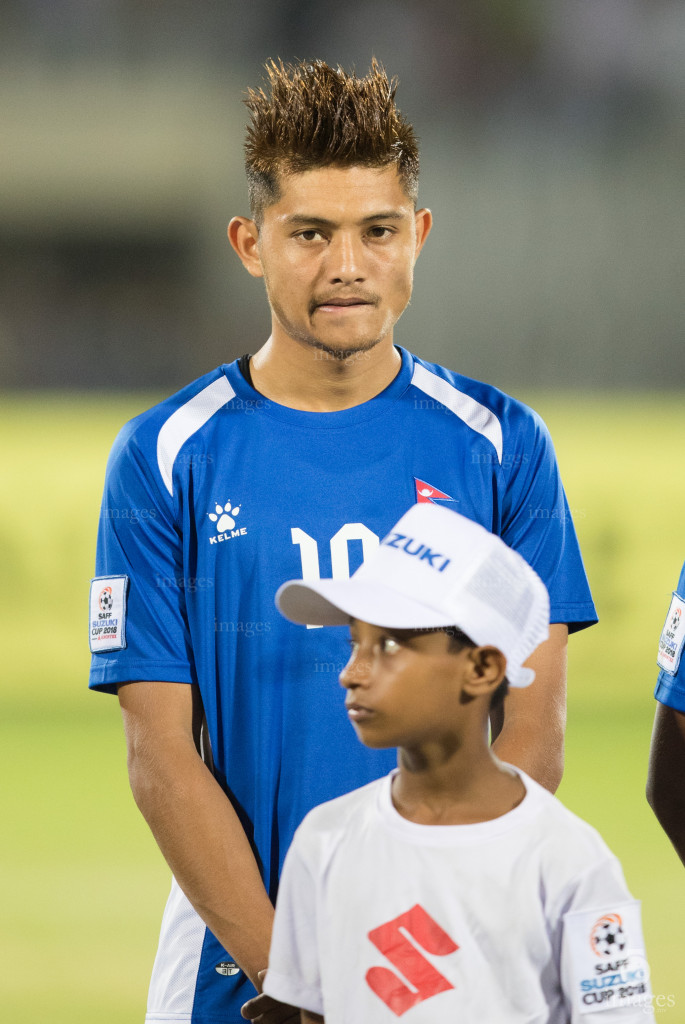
670 684
214 498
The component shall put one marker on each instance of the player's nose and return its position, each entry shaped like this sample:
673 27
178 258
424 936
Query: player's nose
346 259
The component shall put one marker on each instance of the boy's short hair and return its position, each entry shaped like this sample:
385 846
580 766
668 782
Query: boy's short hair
318 116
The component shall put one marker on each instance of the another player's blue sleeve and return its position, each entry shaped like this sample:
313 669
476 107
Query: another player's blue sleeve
670 684
138 540
537 521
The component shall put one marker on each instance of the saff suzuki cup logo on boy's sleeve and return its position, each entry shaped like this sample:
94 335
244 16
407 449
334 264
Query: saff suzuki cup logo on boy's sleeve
672 637
607 937
607 960
424 981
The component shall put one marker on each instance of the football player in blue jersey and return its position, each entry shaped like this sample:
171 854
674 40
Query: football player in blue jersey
666 778
294 462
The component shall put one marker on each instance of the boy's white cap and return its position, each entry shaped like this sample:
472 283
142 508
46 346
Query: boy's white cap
436 568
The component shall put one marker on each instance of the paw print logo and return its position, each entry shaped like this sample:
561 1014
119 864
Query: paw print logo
223 517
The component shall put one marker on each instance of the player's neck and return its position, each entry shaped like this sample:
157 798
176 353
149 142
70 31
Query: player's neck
462 788
302 377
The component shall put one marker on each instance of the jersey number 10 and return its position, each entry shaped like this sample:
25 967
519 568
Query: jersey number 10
340 557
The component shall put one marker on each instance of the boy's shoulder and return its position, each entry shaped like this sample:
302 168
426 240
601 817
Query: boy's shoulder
337 813
334 826
561 834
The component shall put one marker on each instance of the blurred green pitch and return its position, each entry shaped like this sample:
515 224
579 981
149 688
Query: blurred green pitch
83 885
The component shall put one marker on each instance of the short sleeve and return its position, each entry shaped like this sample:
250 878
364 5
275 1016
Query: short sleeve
140 546
537 521
670 684
294 973
604 970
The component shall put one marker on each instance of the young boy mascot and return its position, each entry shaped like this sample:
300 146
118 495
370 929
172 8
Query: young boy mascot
456 889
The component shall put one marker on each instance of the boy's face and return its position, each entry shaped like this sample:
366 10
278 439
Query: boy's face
337 253
403 687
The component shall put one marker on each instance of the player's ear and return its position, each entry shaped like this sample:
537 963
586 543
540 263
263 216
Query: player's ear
487 667
423 220
243 234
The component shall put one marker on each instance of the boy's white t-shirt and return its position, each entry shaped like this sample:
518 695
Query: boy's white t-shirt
525 918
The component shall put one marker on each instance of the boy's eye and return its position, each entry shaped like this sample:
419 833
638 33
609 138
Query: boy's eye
389 645
386 645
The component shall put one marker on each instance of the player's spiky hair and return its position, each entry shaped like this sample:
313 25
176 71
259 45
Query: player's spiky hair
318 116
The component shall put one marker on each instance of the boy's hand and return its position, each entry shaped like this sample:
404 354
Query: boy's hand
264 1010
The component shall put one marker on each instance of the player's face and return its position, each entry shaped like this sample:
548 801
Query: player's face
337 254
403 687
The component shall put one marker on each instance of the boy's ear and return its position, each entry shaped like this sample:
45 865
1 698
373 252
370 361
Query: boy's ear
487 669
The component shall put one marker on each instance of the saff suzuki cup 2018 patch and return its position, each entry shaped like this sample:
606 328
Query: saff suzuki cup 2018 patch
608 968
107 625
672 636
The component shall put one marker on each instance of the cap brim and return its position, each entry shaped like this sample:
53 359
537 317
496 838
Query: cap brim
335 602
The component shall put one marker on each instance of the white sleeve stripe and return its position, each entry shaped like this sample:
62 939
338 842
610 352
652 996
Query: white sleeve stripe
477 416
183 423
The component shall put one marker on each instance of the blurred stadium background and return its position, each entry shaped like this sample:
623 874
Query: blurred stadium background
553 154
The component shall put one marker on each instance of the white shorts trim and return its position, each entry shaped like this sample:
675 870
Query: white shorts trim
174 975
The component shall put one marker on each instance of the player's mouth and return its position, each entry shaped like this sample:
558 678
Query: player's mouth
338 305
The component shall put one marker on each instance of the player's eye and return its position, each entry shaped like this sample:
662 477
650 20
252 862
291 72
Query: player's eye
378 231
310 235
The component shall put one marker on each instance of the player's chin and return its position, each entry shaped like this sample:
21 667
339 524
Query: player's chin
343 346
360 336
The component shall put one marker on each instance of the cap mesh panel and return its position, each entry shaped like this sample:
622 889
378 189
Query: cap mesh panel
499 584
